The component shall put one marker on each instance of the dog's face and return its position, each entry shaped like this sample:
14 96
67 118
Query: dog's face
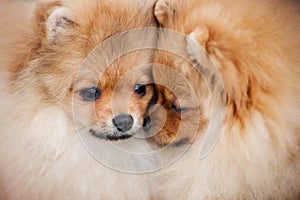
186 115
107 89
113 103
181 95
181 90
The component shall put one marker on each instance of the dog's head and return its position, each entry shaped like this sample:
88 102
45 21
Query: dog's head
248 48
85 57
181 97
189 85
118 96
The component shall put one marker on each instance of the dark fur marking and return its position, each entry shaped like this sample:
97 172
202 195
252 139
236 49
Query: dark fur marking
180 142
213 80
234 109
249 95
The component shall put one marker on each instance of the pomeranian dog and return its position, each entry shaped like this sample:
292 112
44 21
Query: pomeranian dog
255 47
66 76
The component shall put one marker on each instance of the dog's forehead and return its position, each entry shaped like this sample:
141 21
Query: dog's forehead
101 19
122 75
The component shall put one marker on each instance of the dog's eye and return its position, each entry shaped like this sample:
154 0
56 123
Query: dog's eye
140 89
90 94
176 107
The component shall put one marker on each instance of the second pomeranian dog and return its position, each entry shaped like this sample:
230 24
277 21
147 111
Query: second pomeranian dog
255 46
55 72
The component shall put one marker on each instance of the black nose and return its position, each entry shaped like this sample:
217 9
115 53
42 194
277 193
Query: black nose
123 122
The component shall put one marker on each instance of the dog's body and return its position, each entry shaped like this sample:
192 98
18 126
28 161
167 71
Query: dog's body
256 50
255 46
41 154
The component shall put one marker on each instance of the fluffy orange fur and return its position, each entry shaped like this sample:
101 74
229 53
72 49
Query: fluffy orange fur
255 46
56 51
51 61
180 100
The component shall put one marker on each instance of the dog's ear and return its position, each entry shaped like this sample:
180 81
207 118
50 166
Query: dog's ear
212 77
163 12
52 19
210 72
58 22
200 35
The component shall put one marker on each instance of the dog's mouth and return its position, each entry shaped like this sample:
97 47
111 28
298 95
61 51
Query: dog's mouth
112 137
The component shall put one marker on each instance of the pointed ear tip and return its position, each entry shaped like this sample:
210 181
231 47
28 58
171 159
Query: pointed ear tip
161 11
57 20
45 7
59 12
